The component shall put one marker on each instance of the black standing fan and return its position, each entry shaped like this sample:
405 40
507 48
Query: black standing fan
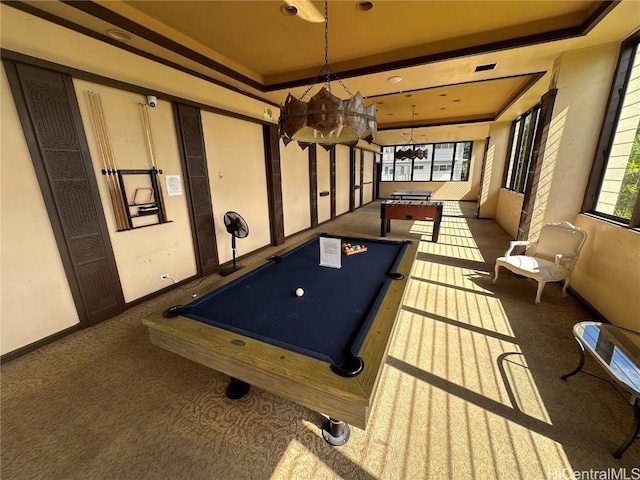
238 228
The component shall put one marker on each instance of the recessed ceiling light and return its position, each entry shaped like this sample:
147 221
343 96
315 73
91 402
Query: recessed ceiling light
408 95
119 35
443 108
394 79
487 66
443 94
364 5
288 10
456 100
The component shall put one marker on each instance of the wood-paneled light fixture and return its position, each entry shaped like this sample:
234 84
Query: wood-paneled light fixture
410 152
326 119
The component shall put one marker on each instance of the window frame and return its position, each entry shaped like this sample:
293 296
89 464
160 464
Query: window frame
430 158
520 158
615 101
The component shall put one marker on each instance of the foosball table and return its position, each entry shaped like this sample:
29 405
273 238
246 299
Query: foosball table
410 210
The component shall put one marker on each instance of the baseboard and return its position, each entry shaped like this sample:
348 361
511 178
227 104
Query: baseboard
7 357
594 311
162 291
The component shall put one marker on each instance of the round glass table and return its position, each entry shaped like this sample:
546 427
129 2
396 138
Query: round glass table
617 350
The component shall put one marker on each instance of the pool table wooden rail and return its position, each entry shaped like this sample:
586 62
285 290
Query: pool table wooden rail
296 377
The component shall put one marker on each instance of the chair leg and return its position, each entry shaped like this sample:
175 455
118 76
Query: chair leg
495 278
539 293
566 285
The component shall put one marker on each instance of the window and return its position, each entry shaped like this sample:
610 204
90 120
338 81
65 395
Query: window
387 164
402 170
462 160
523 132
438 162
615 178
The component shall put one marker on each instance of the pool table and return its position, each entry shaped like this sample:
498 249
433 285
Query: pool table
324 350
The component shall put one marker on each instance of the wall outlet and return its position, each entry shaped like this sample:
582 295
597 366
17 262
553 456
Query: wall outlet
164 276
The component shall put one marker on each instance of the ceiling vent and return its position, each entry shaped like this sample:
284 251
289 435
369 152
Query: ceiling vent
488 66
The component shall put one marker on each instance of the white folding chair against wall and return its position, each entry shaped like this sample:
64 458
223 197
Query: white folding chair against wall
550 259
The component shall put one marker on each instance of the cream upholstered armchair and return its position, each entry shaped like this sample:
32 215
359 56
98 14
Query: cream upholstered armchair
550 259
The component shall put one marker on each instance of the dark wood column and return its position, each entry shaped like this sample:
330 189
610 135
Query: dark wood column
50 117
274 182
313 184
361 189
377 170
352 179
542 135
198 189
332 180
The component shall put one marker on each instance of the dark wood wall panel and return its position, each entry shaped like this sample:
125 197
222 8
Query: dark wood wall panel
352 179
194 161
313 184
377 171
50 117
274 182
537 156
332 180
361 189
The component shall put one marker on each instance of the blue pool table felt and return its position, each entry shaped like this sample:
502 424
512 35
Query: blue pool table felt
332 318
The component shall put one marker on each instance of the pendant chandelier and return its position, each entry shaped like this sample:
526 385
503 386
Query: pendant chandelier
410 152
326 119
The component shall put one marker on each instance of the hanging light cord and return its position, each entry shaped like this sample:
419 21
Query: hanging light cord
326 68
413 113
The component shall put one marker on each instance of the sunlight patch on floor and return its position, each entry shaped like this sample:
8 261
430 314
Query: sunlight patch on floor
522 388
420 426
452 250
455 376
455 239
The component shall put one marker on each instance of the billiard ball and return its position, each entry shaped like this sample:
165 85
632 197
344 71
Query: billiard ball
299 292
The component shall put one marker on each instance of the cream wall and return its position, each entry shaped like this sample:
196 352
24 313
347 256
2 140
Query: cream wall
607 274
30 35
367 178
508 211
35 298
238 180
494 169
583 84
476 169
342 179
294 164
142 255
323 159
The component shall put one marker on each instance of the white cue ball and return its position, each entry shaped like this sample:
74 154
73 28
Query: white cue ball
299 292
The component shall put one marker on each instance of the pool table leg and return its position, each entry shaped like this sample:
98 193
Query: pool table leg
385 227
236 389
335 432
